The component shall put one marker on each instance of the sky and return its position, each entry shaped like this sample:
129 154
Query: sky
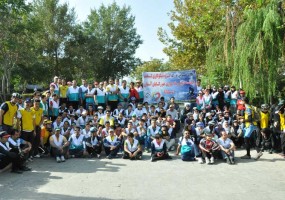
149 15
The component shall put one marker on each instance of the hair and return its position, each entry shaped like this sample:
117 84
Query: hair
131 135
157 136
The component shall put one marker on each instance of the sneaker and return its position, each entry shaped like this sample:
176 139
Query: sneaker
109 156
207 160
212 161
151 159
200 160
62 159
246 157
30 159
58 159
37 156
258 156
228 161
140 157
98 155
25 168
232 160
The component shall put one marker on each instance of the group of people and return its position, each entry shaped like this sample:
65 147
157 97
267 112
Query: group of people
70 121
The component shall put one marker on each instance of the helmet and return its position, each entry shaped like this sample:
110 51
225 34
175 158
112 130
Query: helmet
16 95
264 107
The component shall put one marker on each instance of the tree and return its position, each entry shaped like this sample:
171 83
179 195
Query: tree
154 65
55 26
12 34
112 41
195 24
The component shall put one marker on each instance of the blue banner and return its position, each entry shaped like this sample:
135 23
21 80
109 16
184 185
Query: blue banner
178 84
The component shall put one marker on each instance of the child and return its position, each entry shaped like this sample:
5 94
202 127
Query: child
209 148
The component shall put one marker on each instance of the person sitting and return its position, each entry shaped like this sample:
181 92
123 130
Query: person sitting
168 137
227 147
186 146
77 147
152 130
59 146
7 157
132 148
159 149
94 143
111 145
209 148
18 145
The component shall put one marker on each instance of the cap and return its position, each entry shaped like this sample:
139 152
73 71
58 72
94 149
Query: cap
134 115
46 121
100 108
208 114
187 105
212 122
242 92
57 129
28 101
207 131
111 130
200 124
195 108
4 134
93 129
133 98
189 114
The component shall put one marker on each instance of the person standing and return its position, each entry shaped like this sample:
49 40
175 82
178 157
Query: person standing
38 123
28 125
8 112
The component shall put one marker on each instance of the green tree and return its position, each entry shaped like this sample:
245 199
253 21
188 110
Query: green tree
154 65
112 41
12 39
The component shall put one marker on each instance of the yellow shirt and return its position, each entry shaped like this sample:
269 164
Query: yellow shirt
38 115
264 120
63 91
28 118
8 117
45 134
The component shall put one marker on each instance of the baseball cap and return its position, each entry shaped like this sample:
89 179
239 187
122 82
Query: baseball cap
93 129
57 129
4 134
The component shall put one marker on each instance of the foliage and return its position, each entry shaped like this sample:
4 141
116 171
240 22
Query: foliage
154 65
112 41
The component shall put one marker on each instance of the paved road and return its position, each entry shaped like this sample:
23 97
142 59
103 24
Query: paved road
123 179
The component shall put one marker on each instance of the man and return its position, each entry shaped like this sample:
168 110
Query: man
38 122
77 147
46 131
90 97
28 124
139 88
100 95
7 157
55 84
8 111
18 145
250 127
186 146
63 91
124 94
132 148
111 144
152 130
44 105
94 143
107 117
73 95
158 149
54 107
112 94
82 92
59 146
227 147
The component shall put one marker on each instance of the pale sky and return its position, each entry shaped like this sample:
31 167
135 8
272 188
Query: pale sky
149 14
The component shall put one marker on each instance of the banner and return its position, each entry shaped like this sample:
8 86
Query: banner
178 84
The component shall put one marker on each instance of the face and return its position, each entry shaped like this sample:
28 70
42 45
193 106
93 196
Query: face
186 134
36 104
111 133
